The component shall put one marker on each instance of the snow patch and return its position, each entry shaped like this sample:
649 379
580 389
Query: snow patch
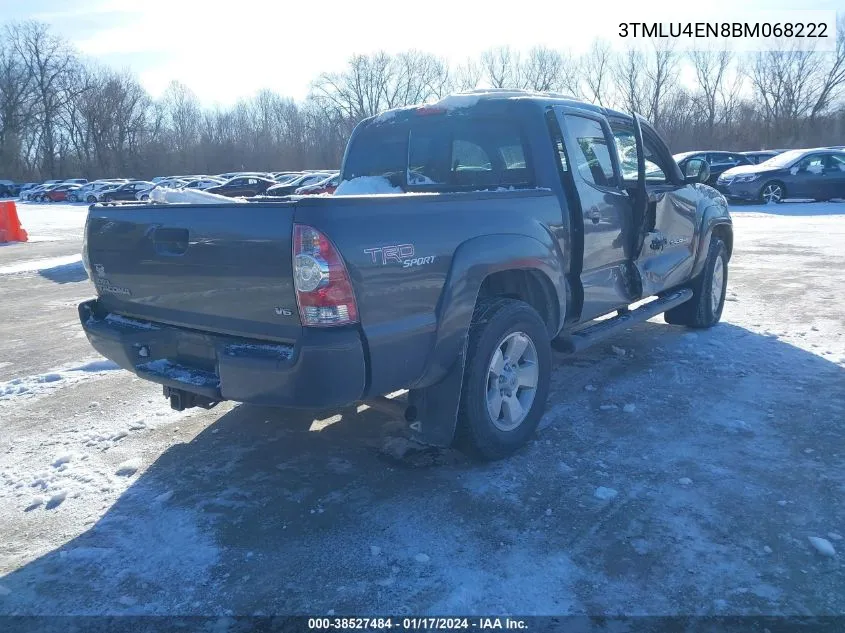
605 493
366 185
41 384
122 320
35 265
238 349
822 546
128 468
166 195
56 499
164 367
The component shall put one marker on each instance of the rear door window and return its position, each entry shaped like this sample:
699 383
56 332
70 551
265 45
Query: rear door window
835 163
592 152
626 147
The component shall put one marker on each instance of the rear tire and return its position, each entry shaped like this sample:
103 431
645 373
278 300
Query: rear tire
506 378
91 200
704 310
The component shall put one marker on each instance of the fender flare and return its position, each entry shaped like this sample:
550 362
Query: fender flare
712 217
474 260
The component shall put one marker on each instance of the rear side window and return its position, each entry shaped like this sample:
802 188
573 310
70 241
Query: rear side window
591 154
835 162
626 147
442 152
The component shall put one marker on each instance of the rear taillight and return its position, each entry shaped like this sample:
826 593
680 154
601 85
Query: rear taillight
323 289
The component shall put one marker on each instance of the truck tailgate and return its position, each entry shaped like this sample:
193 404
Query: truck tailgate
217 268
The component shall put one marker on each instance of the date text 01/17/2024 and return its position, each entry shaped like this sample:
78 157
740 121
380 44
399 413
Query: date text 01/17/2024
416 623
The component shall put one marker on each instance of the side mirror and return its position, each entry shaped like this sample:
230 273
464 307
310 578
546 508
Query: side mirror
696 170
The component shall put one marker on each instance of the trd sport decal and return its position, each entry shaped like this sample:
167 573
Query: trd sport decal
399 254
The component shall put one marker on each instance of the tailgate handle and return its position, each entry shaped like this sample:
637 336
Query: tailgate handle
170 241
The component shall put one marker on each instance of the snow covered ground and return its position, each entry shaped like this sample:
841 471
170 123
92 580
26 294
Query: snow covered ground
675 472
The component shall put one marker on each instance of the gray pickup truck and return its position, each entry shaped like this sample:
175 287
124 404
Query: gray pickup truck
467 240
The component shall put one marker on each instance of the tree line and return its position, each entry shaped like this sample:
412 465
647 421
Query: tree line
63 116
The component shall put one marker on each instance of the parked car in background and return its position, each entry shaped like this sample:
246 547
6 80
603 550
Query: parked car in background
125 191
167 183
288 188
88 193
41 196
237 174
75 181
203 183
719 162
26 194
98 193
33 192
283 176
761 156
324 186
59 193
799 173
25 187
7 188
243 186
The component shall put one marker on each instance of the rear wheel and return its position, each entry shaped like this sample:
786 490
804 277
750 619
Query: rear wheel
772 192
708 300
91 199
506 379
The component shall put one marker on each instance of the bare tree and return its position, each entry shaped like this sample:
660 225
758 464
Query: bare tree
833 79
596 67
501 68
15 109
711 69
628 72
662 75
61 116
50 64
467 76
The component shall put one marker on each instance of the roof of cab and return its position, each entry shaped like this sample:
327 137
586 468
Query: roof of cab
473 98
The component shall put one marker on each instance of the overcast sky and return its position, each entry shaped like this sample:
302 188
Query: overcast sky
224 50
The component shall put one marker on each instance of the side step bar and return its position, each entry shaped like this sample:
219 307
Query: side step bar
581 339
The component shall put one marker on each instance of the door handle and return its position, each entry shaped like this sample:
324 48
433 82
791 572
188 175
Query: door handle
594 215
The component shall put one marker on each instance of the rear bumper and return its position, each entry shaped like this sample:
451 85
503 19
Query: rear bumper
325 368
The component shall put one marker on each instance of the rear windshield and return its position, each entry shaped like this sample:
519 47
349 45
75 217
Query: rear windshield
442 152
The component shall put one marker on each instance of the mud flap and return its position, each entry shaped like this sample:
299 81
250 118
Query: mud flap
437 407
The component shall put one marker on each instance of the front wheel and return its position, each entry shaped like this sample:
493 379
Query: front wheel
506 378
704 310
772 193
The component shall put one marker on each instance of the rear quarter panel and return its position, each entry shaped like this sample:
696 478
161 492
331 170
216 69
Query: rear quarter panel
399 251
